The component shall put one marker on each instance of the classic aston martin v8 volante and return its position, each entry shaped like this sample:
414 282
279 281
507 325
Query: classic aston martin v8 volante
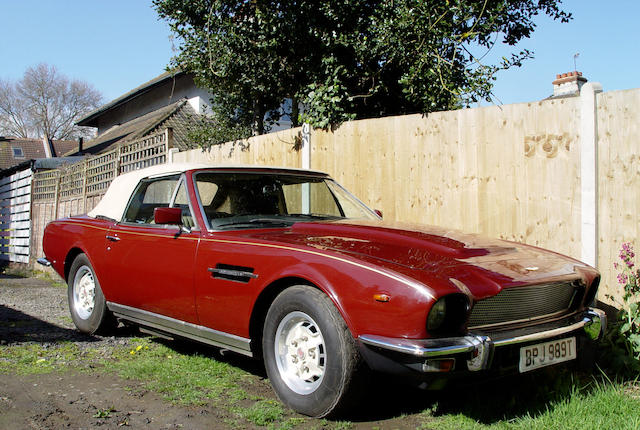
287 266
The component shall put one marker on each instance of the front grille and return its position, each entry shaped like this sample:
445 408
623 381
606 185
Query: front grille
523 303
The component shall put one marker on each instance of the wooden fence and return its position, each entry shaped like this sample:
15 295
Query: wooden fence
15 211
510 171
77 188
520 172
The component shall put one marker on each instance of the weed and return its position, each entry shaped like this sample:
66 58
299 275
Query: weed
37 358
200 377
261 413
104 413
622 339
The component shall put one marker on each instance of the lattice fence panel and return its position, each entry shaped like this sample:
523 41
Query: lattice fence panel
145 152
100 172
72 180
45 185
92 176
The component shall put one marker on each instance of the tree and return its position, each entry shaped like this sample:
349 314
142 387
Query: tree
346 59
45 103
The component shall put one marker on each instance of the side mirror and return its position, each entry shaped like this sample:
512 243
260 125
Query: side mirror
167 216
378 212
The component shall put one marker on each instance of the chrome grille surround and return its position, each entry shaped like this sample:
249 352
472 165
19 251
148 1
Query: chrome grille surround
521 304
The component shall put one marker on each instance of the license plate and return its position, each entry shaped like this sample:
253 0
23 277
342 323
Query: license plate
546 354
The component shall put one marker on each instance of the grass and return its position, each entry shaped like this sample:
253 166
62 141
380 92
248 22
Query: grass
23 271
185 378
602 405
546 400
38 358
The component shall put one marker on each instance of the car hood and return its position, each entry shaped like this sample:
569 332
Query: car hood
429 253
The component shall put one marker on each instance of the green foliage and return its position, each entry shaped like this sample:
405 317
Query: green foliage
262 413
104 413
215 128
623 337
33 358
201 378
349 59
579 405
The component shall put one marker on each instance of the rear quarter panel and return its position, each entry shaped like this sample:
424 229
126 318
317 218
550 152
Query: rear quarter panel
65 237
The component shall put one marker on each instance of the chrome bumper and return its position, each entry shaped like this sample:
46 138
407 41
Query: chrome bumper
480 347
44 262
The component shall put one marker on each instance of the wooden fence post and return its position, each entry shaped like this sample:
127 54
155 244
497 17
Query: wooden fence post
589 172
169 137
116 163
56 200
84 186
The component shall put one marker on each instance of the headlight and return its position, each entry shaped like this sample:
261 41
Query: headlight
437 315
448 315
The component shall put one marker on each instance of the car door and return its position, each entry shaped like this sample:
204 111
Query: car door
150 267
226 278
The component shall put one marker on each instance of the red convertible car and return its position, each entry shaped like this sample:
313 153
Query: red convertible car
287 266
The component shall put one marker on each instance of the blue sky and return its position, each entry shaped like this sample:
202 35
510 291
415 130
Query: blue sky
117 45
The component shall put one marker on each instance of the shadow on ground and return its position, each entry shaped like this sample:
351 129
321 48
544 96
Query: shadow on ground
17 327
384 398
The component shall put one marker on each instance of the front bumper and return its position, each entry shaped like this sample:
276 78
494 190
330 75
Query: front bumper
476 349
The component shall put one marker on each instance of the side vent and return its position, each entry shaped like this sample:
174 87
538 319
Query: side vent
233 273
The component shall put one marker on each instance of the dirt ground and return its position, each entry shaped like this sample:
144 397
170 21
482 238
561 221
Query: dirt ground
34 311
72 399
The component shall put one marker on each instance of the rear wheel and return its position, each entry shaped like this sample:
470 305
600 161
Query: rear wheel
86 302
309 353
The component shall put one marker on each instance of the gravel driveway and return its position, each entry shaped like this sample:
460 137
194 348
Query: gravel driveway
34 311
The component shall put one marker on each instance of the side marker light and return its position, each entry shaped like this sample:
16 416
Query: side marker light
381 298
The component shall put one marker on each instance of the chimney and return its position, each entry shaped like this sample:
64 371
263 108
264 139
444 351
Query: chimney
46 144
568 84
80 142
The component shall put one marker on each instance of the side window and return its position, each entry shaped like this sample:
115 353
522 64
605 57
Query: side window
150 194
181 200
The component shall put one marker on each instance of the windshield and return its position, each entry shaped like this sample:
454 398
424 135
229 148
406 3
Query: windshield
246 200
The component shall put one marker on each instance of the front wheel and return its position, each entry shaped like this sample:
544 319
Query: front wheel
310 356
86 302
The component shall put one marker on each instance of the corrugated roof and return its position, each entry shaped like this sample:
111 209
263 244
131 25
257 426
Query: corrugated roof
88 120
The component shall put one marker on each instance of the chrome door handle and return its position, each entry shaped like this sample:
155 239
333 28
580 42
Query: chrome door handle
112 238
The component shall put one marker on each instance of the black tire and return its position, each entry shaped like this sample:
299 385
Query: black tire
329 383
86 302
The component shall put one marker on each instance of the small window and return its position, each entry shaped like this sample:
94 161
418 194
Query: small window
181 200
17 152
150 194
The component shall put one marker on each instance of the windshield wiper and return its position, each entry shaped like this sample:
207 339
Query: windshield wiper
315 216
252 223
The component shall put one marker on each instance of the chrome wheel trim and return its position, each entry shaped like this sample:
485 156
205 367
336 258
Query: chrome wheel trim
300 353
84 292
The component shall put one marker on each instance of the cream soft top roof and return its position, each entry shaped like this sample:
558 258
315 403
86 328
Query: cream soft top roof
115 200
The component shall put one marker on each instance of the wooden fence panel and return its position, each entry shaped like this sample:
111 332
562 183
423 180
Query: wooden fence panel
618 114
275 149
510 171
15 214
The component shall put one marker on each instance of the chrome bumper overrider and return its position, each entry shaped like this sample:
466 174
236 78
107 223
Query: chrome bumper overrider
479 346
44 262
